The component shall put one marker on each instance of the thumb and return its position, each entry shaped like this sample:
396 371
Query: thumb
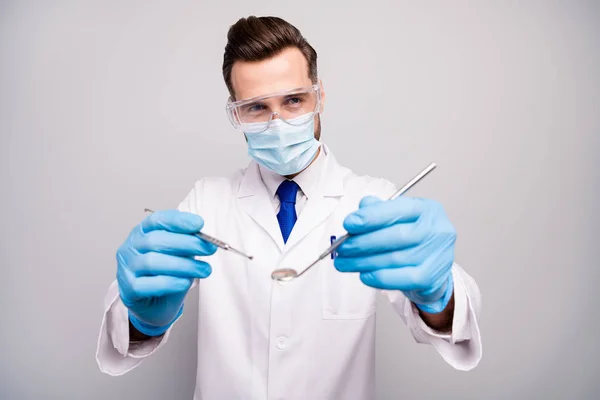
368 201
354 221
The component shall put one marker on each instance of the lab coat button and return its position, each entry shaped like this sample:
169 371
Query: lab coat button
281 343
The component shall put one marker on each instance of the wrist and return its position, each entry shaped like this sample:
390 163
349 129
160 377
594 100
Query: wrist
149 329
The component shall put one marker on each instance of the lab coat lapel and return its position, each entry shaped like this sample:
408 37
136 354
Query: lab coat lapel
254 199
322 203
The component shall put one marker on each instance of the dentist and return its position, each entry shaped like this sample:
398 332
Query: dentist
311 338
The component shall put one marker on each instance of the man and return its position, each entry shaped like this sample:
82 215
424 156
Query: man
313 337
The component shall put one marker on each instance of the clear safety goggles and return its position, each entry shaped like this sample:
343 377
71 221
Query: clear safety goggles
257 113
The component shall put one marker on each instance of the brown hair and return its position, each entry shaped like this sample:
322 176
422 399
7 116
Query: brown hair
259 38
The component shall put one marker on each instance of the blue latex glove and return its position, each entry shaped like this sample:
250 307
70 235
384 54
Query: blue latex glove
156 268
405 244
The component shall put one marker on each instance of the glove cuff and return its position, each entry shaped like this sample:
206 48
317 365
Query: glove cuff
151 330
439 306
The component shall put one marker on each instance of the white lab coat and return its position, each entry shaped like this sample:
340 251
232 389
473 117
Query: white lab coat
313 338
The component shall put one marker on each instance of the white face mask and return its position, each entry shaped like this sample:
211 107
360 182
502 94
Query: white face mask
283 148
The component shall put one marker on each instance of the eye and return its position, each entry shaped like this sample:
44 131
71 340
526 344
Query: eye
294 101
254 108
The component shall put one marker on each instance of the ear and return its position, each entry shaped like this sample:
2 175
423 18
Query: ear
322 95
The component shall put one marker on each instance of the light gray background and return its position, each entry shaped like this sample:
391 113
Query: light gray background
107 107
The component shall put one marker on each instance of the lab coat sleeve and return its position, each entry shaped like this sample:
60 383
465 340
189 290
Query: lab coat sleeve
462 347
115 355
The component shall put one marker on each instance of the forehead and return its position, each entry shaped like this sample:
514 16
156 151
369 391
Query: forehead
286 70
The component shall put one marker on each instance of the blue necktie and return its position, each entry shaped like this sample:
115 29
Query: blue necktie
287 212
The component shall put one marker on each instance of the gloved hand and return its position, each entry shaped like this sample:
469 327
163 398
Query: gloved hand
156 268
405 244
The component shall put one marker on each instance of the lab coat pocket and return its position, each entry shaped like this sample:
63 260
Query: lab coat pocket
344 296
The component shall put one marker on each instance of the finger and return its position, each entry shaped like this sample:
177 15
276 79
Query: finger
392 260
376 215
173 221
153 264
177 244
438 285
419 277
390 238
404 279
156 286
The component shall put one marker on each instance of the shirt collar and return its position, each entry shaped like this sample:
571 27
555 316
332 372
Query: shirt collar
307 179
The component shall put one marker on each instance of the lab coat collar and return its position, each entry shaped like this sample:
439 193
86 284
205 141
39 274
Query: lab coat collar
255 199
